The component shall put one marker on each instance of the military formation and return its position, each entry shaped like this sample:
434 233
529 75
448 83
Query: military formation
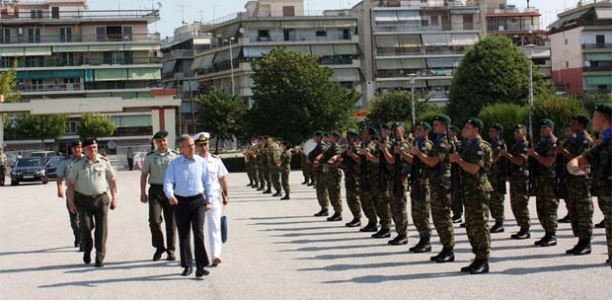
452 175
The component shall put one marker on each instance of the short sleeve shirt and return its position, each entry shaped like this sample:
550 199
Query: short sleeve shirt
216 170
91 177
156 164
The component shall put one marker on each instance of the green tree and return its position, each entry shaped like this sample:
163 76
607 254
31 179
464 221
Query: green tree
294 96
37 127
493 71
8 84
95 125
560 109
222 115
506 114
397 106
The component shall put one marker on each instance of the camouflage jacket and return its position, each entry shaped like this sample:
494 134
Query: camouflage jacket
440 173
576 145
477 151
546 148
519 149
600 159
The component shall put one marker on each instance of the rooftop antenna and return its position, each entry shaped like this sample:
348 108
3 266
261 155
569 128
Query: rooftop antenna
181 6
201 12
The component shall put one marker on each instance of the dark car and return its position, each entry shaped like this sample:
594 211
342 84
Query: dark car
51 165
29 169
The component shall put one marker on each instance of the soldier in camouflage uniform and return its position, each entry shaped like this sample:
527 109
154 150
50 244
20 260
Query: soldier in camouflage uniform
600 159
383 200
261 164
274 162
475 160
322 195
518 177
419 191
397 172
562 176
578 199
438 173
497 178
368 175
456 200
351 178
303 164
546 199
285 169
266 165
331 174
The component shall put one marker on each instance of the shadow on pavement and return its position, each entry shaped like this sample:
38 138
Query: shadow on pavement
48 250
79 267
94 283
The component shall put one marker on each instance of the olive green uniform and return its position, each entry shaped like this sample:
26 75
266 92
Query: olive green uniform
155 166
91 184
351 182
419 191
63 170
497 180
322 195
332 176
383 199
285 169
274 157
440 192
399 201
519 177
546 199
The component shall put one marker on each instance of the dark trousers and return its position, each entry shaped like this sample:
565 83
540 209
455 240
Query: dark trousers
74 224
158 204
190 213
130 163
2 172
95 207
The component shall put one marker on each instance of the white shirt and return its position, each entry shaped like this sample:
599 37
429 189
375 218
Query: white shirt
216 170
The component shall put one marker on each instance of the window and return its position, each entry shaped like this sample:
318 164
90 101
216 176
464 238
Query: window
71 127
34 35
434 21
65 34
288 11
263 35
321 33
67 59
600 39
5 36
36 14
101 33
425 23
55 13
468 22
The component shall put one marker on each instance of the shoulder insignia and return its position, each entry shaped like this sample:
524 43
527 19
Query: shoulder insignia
152 152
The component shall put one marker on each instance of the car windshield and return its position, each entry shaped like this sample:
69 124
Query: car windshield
29 162
54 161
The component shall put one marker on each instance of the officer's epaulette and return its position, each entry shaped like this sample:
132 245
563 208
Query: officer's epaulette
174 151
152 152
103 157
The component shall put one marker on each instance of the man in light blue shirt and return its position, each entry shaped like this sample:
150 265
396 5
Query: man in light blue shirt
185 182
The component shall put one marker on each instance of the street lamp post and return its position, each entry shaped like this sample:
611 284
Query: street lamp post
231 64
413 112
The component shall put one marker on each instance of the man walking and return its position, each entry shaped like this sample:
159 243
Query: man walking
63 170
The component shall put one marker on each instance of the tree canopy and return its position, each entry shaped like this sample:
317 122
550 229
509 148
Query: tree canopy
95 125
294 96
36 127
222 115
8 82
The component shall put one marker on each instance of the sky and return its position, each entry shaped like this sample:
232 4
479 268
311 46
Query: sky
173 12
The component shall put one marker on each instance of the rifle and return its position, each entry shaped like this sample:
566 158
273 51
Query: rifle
364 179
398 183
382 164
503 172
561 172
415 174
455 180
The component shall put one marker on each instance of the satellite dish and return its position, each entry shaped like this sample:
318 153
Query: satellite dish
242 30
159 5
112 145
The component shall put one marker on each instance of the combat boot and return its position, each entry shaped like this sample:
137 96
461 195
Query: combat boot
286 197
469 268
356 222
522 234
261 188
277 194
422 246
565 219
582 248
322 213
305 182
335 217
268 191
382 233
548 240
399 240
497 227
480 267
371 227
601 224
447 255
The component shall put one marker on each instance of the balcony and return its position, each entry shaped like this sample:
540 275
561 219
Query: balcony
598 69
178 54
420 51
48 15
33 89
596 46
420 73
78 62
455 27
76 38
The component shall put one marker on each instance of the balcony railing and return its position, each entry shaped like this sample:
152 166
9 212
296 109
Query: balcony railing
598 69
51 87
418 51
34 15
78 38
596 46
179 54
297 38
68 87
419 73
80 61
396 27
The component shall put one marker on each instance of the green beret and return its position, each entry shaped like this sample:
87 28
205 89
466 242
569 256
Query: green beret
386 126
160 134
74 143
319 133
520 126
497 127
423 124
475 122
547 122
581 119
442 118
605 108
335 133
90 141
455 128
372 130
352 132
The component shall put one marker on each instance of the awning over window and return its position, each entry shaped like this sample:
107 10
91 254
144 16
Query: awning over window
387 41
168 66
385 16
132 121
345 49
144 74
599 80
398 64
110 75
598 56
439 82
37 51
409 40
104 48
322 50
442 62
463 39
202 62
143 47
443 39
57 49
401 84
344 75
12 51
408 15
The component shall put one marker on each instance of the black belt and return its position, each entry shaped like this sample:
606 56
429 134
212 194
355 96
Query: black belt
89 196
190 198
156 185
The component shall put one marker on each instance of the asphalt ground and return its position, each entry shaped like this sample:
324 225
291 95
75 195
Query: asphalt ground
277 250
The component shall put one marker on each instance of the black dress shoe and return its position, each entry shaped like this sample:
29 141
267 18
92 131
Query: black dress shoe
601 224
99 264
322 213
200 271
399 240
521 235
187 271
497 227
462 225
481 267
354 223
277 194
565 219
87 257
382 233
371 227
311 184
304 183
158 254
422 246
250 184
335 217
171 257
582 248
286 197
77 243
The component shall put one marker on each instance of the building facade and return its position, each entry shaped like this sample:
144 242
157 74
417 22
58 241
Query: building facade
63 50
239 40
581 45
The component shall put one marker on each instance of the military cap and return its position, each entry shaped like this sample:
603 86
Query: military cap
386 126
319 133
201 138
160 134
89 141
520 126
423 124
547 122
455 128
335 133
75 143
581 119
475 122
371 130
442 118
352 132
497 127
605 108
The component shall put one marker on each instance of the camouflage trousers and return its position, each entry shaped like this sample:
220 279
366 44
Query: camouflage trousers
285 181
605 204
547 204
519 201
264 178
399 211
275 178
580 207
476 222
352 196
420 207
322 194
254 173
383 207
304 165
332 180
313 175
440 196
249 170
496 200
368 196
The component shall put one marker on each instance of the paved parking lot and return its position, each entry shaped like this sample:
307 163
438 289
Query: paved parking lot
276 250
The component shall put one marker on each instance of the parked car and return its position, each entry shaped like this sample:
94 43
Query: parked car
51 164
43 154
29 169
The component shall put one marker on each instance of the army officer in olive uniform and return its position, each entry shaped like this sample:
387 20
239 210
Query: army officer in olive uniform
63 170
154 168
88 183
